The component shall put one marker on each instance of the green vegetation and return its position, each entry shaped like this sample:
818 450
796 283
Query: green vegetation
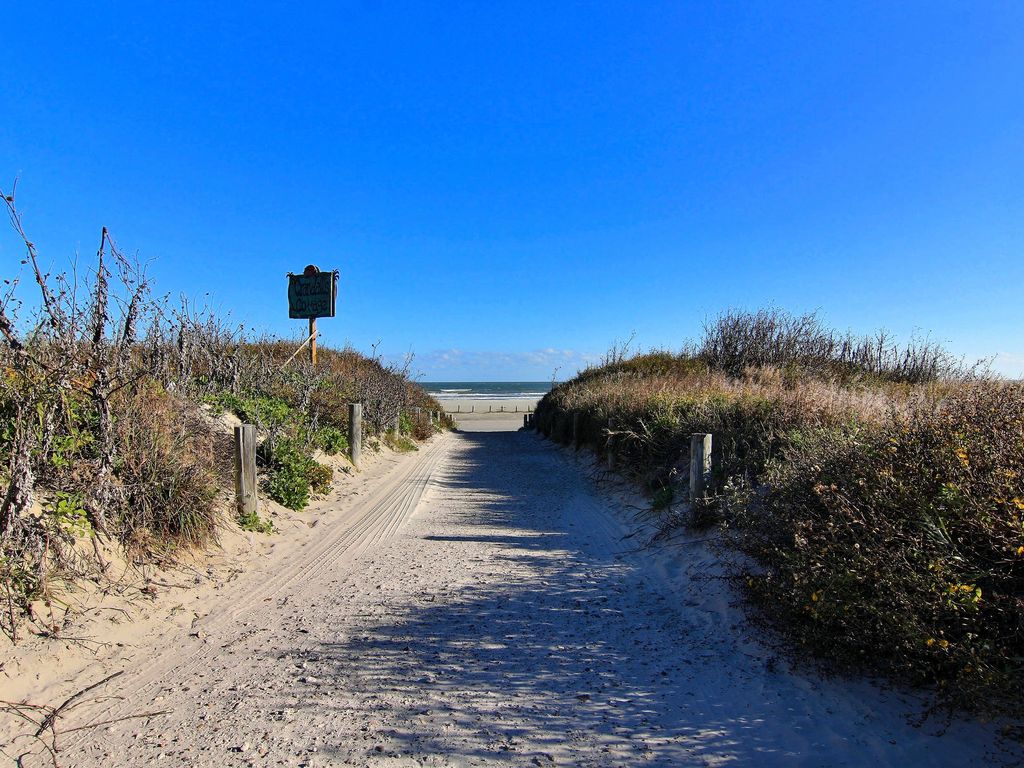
106 433
878 492
255 524
405 424
332 441
293 474
400 443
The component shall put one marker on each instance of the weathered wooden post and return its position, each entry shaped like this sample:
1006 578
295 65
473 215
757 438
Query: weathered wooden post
576 430
246 498
610 447
355 432
700 465
396 423
526 421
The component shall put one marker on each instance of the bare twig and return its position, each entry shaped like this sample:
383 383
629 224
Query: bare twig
51 718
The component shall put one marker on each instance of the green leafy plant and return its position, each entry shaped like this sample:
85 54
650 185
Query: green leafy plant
661 498
295 475
265 411
254 523
405 424
319 477
289 477
67 512
332 441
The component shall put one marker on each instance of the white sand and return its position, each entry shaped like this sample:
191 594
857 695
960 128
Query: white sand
481 603
489 415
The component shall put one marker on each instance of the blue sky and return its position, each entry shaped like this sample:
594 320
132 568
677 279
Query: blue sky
509 188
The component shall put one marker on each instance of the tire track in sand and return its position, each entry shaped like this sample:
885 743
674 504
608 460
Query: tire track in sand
366 524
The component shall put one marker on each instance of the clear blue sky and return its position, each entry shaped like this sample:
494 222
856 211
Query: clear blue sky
510 187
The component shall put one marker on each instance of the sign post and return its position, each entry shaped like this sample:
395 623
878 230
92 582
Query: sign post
311 295
312 341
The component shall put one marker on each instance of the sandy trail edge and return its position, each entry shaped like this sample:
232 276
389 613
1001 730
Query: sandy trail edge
146 640
502 618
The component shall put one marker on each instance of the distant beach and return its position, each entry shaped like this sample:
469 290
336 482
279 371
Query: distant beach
488 405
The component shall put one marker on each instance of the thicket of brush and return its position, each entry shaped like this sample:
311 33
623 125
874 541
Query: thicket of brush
106 434
878 490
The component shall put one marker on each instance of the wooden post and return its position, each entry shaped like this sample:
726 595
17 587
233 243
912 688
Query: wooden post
396 423
610 447
355 432
246 498
312 341
700 465
526 421
576 430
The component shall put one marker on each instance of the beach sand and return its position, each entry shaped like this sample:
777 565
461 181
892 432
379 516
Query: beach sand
484 600
483 415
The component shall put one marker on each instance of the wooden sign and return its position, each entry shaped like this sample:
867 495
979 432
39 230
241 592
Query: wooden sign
312 294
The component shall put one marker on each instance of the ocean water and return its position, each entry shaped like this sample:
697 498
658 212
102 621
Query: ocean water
486 390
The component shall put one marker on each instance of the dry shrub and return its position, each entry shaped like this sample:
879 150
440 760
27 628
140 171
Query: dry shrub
801 344
422 429
101 430
653 416
901 545
878 490
170 468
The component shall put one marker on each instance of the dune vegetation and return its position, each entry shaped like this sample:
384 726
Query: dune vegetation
108 430
872 495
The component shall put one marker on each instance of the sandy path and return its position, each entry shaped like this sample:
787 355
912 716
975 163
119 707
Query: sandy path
482 607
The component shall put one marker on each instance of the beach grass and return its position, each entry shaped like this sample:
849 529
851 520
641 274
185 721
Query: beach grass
875 492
